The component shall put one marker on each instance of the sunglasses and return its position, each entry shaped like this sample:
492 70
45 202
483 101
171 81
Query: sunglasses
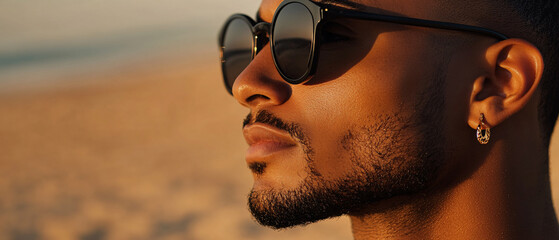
294 37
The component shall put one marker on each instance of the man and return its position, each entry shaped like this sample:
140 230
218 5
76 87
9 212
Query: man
424 119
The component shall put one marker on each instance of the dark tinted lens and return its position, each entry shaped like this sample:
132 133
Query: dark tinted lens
237 51
293 36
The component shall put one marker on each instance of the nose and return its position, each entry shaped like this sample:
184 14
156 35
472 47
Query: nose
260 85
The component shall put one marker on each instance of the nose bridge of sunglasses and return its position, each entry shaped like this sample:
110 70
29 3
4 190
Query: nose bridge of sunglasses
262 28
262 33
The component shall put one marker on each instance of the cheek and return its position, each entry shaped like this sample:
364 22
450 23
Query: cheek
328 112
331 110
386 81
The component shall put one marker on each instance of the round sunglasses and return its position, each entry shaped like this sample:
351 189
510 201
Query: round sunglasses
293 37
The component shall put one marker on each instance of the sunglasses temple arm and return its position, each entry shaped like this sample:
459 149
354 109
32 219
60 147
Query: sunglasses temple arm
423 23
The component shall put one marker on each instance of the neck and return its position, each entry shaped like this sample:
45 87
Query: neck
504 198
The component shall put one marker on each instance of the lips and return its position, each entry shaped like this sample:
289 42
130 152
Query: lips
265 141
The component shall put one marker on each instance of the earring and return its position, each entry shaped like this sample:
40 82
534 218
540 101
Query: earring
483 132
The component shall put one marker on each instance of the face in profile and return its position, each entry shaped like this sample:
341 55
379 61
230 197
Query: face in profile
359 125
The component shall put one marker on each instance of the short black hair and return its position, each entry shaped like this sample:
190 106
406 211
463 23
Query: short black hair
541 27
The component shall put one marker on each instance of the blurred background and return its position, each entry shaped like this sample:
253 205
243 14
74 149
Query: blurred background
114 124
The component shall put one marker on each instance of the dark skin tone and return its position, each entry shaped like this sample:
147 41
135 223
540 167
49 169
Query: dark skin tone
495 191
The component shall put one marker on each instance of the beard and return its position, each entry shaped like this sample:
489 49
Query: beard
399 154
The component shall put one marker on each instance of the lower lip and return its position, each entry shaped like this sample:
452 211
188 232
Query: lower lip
261 150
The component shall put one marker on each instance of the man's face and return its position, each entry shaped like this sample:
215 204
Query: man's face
367 126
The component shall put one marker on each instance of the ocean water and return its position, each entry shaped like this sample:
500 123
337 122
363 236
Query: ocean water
41 40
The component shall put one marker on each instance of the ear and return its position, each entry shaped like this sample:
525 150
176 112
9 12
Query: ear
515 67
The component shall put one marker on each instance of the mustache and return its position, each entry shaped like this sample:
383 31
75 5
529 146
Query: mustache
268 118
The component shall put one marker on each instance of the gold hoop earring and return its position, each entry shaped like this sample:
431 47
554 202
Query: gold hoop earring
483 132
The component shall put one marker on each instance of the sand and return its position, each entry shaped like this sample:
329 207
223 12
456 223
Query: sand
148 151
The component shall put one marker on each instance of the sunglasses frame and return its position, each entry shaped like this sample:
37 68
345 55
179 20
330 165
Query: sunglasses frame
221 39
323 12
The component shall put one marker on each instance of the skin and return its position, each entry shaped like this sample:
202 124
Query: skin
496 191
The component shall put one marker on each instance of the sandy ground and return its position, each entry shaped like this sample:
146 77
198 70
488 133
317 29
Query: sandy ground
149 151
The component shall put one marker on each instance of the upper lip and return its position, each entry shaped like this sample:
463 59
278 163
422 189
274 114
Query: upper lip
263 133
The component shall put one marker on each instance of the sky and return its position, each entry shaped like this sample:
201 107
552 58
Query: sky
54 37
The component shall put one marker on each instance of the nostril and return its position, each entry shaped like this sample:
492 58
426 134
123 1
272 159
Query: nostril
257 96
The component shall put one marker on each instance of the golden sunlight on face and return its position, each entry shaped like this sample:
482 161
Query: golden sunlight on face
355 125
383 80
